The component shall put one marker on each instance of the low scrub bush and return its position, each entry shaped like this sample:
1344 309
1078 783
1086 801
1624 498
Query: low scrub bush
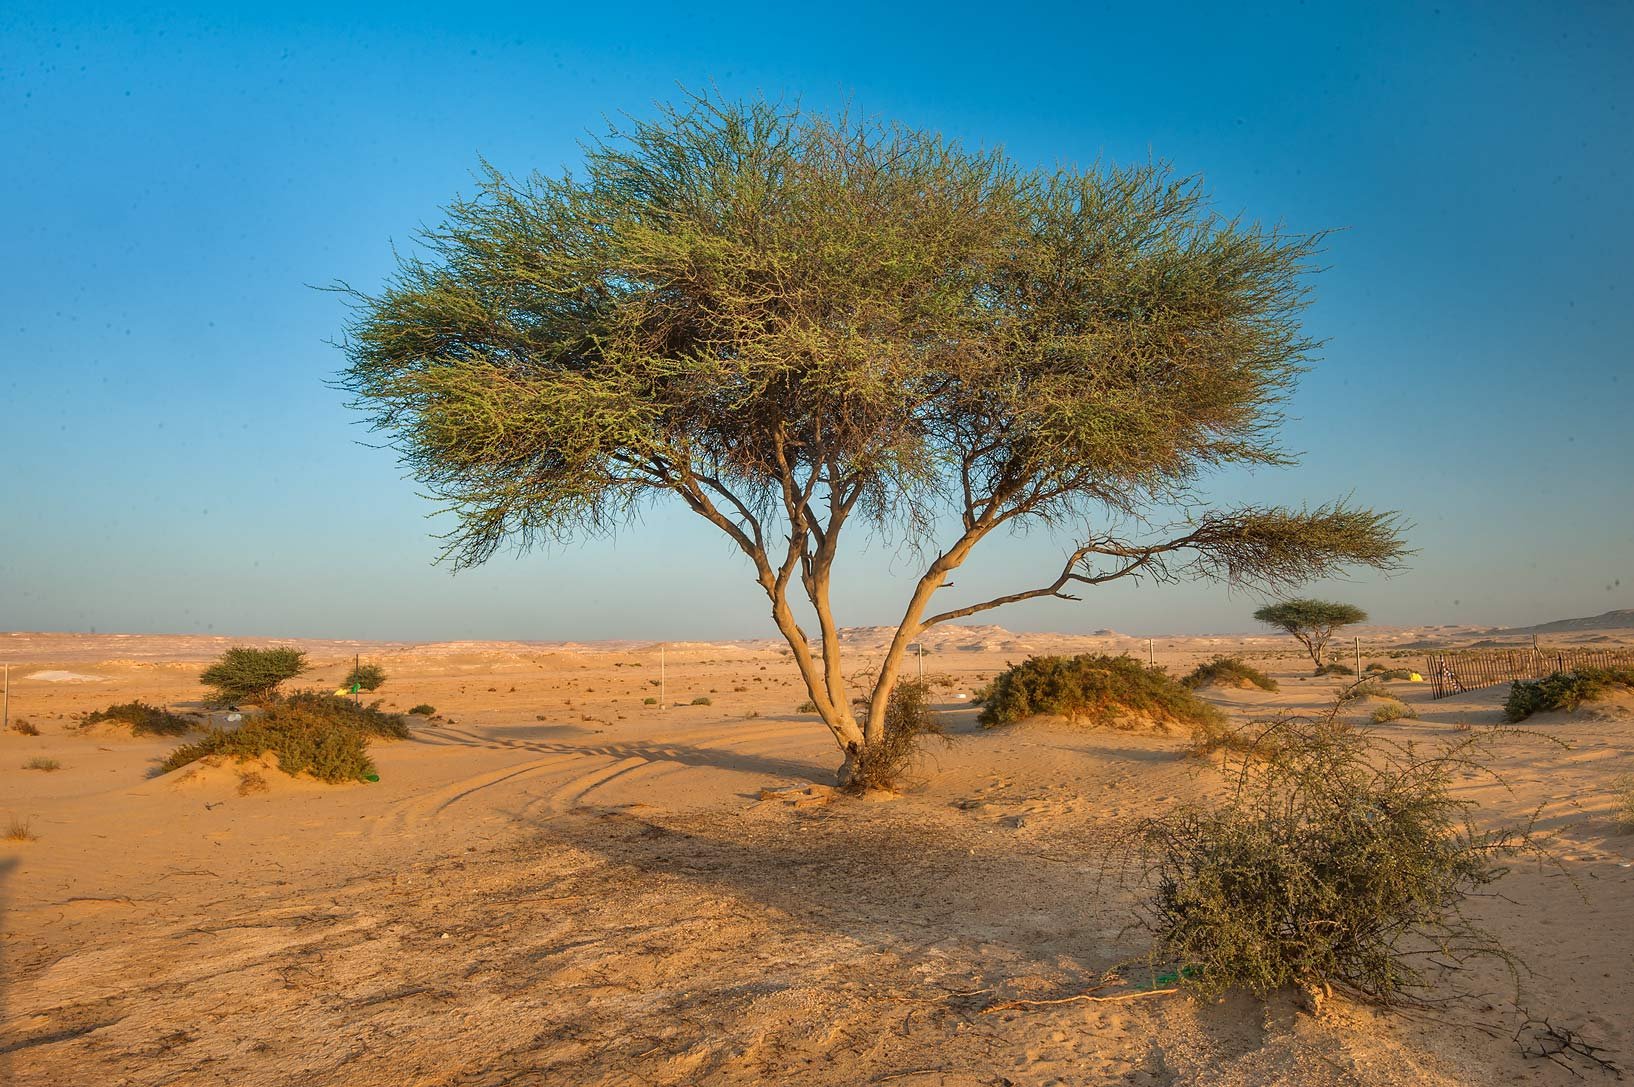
808 706
47 765
1564 690
1625 802
1337 860
364 677
1103 690
310 732
252 675
143 719
908 723
1392 710
424 709
1334 668
649 701
19 830
703 700
1228 672
24 726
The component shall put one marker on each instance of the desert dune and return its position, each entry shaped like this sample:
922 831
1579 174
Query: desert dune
555 882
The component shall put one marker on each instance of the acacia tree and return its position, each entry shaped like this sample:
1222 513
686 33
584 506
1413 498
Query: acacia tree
804 325
1312 622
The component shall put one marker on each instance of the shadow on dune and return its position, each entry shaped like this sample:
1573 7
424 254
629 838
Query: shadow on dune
720 758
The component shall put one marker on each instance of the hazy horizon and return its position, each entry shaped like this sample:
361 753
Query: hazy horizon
174 460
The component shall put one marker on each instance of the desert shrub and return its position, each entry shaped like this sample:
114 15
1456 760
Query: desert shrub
1363 689
24 726
1100 689
1395 673
19 830
649 701
1392 710
1625 801
908 723
47 765
1374 666
368 719
252 675
143 719
1336 860
1232 671
366 677
1564 690
309 732
703 700
808 706
1334 668
424 709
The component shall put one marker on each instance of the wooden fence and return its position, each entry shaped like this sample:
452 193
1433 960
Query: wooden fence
1465 670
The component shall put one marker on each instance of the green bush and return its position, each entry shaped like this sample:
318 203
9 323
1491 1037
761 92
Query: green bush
310 732
649 701
1386 712
1336 860
1096 688
252 675
424 709
1228 671
908 723
808 706
143 719
1564 690
1334 668
703 700
364 677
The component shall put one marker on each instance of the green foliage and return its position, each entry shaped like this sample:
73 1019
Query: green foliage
365 677
909 722
143 719
424 709
1311 622
1378 671
1564 690
703 700
1393 711
1229 672
39 763
244 674
310 732
1337 860
1100 689
808 706
649 701
1335 668
791 323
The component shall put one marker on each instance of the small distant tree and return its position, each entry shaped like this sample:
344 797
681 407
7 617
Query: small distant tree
1312 622
800 326
364 677
244 674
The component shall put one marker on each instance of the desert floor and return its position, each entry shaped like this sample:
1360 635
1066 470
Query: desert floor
554 883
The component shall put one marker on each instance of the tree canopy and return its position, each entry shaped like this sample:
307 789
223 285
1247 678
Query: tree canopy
1311 621
797 323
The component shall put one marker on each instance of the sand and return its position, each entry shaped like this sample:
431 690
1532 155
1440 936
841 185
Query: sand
554 883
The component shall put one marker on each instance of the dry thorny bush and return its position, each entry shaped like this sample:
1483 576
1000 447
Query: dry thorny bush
1337 860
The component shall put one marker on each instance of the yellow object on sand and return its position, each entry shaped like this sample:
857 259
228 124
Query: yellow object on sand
1414 677
343 690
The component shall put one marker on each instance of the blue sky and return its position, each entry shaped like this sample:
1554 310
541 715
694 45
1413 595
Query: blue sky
176 178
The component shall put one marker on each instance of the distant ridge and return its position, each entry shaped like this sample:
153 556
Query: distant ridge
1621 619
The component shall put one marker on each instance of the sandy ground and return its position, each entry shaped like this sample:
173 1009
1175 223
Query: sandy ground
556 883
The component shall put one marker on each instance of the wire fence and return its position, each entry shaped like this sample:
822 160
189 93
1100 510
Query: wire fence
1466 670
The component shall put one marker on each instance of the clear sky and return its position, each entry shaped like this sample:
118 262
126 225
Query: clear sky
173 179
